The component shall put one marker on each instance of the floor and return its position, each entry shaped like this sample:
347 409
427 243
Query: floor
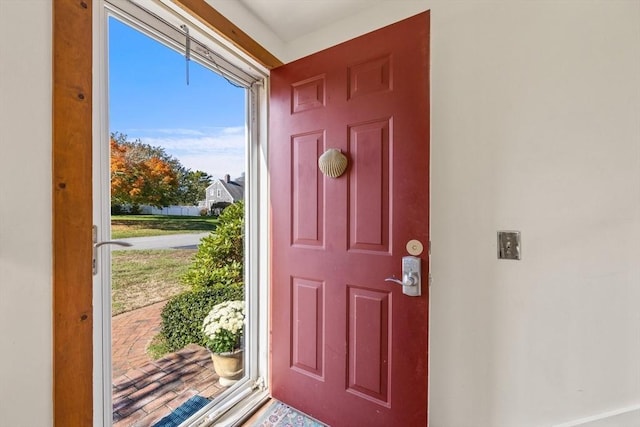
252 421
145 390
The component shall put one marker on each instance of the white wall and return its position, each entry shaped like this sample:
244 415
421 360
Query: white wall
536 127
25 234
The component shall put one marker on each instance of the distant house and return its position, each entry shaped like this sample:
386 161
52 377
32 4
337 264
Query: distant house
223 192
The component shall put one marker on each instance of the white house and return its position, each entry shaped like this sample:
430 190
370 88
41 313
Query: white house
535 114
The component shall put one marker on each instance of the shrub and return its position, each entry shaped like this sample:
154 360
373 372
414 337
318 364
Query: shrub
118 209
215 276
218 207
183 315
220 257
125 209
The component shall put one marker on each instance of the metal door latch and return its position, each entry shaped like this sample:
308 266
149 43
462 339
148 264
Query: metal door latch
411 277
96 245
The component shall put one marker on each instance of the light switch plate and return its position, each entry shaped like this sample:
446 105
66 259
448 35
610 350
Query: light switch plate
509 246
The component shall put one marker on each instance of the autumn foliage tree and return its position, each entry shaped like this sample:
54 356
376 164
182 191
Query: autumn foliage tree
142 174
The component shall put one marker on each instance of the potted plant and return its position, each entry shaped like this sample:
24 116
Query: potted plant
223 330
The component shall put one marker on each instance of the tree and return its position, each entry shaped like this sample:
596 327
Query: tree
142 174
192 186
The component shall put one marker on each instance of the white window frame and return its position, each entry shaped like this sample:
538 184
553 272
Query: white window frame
252 390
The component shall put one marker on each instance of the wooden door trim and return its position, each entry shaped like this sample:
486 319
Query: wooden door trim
221 25
72 209
72 213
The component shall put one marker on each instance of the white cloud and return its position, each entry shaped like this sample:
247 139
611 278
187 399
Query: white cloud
180 132
173 131
217 151
216 165
233 130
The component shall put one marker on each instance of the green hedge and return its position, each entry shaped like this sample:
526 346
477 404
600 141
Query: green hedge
183 315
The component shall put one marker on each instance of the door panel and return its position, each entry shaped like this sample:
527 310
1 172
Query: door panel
307 306
347 347
308 190
369 185
369 351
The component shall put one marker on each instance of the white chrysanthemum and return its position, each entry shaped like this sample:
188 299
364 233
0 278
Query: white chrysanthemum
227 316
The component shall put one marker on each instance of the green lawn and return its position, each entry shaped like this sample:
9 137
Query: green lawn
124 226
143 277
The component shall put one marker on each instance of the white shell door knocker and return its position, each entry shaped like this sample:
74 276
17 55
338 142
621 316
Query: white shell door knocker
332 163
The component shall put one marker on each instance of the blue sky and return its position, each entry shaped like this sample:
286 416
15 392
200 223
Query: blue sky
202 124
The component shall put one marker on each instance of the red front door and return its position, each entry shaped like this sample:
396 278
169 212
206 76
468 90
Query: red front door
349 348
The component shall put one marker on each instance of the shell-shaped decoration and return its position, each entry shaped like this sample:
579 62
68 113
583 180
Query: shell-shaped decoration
332 163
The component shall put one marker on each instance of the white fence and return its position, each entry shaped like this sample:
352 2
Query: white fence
171 210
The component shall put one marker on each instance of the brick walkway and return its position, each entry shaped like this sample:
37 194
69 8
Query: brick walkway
131 333
144 390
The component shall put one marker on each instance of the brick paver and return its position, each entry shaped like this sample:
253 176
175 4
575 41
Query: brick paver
145 390
131 333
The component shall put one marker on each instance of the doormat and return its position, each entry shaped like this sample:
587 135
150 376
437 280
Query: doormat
183 412
280 415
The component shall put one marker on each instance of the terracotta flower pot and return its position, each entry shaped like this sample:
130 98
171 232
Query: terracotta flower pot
228 366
